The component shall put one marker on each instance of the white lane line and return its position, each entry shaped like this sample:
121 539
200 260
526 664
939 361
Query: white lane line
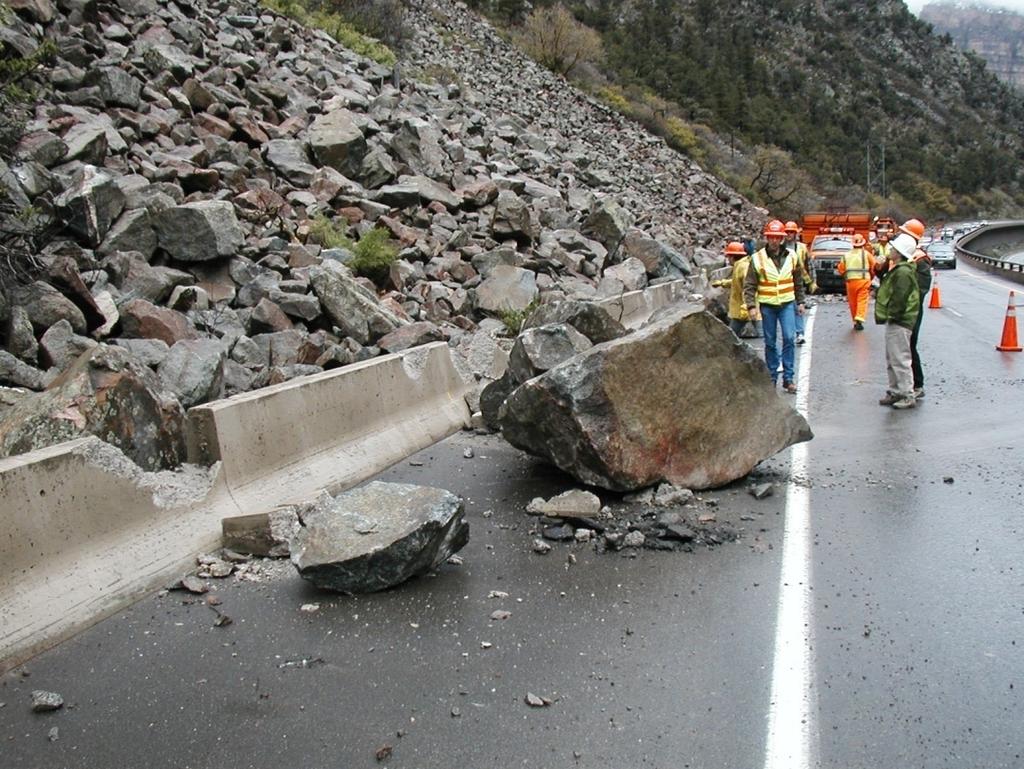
791 710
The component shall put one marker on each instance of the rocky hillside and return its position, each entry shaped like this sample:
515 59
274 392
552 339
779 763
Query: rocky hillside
995 34
236 200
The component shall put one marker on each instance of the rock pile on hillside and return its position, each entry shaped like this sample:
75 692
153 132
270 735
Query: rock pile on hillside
184 151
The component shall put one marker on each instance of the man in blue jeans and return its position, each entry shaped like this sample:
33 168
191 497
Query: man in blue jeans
774 292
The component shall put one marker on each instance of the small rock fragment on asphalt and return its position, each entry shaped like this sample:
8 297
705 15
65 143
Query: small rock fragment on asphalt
634 539
499 614
536 702
44 701
310 607
383 752
193 584
583 535
54 734
541 547
468 453
762 490
497 594
948 479
562 533
456 712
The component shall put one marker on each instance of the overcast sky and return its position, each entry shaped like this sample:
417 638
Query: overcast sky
1015 5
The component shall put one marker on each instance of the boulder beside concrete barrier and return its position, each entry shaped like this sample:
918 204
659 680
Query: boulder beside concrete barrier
680 400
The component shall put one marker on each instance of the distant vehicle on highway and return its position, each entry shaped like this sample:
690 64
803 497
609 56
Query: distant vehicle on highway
826 251
942 254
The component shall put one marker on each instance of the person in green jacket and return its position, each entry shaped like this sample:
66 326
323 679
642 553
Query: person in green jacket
897 306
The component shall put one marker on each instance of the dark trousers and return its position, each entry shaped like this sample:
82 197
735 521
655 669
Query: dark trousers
915 364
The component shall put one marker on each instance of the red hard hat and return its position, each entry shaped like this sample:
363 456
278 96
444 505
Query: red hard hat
735 248
792 227
913 227
775 229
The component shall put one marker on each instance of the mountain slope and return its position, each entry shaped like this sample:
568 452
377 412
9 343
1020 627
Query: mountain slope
997 35
823 80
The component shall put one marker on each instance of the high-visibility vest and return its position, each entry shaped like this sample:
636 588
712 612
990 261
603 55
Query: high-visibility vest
883 250
857 264
800 249
774 284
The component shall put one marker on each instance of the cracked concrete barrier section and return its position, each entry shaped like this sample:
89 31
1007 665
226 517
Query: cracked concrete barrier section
632 308
86 531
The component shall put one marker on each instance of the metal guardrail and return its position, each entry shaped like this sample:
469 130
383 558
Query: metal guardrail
986 236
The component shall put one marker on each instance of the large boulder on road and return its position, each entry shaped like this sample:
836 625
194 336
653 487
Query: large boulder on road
377 536
680 401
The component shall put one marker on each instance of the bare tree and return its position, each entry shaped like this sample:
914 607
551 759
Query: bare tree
554 38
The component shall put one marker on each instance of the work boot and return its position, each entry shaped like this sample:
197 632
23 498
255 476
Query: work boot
890 399
918 393
800 339
858 325
789 387
905 403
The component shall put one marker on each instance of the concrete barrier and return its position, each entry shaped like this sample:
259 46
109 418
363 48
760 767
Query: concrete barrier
86 532
331 430
633 308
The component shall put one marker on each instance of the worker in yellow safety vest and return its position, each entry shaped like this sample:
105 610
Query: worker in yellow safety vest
793 243
773 291
857 266
882 248
738 315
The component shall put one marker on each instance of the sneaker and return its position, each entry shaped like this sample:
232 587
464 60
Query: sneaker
918 393
800 339
905 403
889 399
858 325
789 387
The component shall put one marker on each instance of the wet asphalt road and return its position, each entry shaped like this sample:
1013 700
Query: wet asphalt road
660 660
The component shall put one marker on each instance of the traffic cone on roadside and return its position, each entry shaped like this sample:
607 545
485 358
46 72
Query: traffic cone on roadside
935 303
1009 341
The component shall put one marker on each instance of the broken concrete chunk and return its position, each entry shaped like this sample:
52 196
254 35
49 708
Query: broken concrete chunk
574 503
263 534
762 490
378 536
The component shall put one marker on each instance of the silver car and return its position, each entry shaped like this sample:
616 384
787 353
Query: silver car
942 254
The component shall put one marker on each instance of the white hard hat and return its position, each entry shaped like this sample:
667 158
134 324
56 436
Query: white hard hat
904 244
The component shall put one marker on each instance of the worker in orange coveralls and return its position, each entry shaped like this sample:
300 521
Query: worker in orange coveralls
856 266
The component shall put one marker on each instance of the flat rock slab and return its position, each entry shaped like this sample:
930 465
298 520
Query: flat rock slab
681 401
378 536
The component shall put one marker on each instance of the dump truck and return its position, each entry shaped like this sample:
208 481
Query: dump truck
829 234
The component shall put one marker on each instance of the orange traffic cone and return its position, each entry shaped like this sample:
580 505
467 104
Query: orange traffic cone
935 303
1009 341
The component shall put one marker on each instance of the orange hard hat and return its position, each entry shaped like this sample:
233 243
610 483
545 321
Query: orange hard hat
775 229
792 227
913 227
858 241
735 248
